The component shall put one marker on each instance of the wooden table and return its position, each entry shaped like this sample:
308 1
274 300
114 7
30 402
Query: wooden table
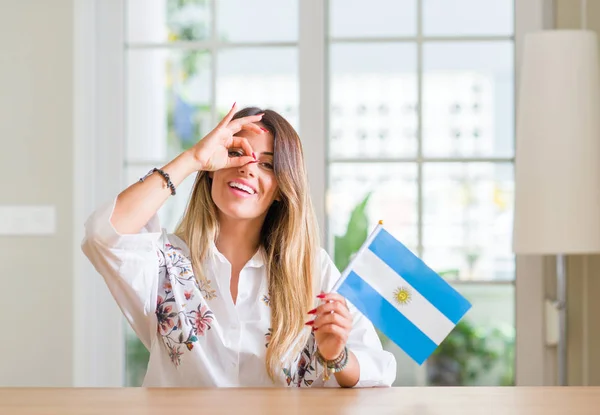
404 401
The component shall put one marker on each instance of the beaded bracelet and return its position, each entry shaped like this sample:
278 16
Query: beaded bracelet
333 366
164 175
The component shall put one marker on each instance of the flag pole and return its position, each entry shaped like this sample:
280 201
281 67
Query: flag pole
364 246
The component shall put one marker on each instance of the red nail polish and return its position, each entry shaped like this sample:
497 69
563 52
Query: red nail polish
264 129
321 296
315 328
313 311
254 155
309 323
233 104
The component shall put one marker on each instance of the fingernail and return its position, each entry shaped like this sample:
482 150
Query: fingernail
315 328
254 155
321 296
313 311
310 323
264 129
233 104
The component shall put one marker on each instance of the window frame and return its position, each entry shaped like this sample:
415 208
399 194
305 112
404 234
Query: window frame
99 137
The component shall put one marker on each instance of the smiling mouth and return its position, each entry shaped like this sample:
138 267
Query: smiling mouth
242 187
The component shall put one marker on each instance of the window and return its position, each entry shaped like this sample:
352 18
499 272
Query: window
187 62
420 119
421 108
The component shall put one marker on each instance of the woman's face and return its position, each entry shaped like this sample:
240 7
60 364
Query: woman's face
247 192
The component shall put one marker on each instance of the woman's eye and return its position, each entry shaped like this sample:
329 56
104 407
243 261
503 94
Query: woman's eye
236 153
267 165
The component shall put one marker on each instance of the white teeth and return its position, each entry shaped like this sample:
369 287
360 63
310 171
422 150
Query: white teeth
243 187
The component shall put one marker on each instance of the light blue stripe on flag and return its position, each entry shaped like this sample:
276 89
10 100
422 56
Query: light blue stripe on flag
384 316
422 278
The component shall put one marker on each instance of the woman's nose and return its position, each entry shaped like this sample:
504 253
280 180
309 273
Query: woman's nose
248 168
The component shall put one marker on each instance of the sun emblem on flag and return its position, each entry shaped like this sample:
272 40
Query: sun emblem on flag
402 295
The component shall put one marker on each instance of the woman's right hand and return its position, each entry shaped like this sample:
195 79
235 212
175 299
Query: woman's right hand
212 152
140 201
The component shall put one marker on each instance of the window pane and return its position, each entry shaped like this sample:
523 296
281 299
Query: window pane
172 210
167 20
257 20
468 17
168 102
373 100
468 99
377 18
393 198
467 219
263 77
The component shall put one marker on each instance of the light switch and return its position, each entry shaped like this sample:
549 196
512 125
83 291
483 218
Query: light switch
27 220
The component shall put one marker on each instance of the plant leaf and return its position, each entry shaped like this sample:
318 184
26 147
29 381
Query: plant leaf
356 233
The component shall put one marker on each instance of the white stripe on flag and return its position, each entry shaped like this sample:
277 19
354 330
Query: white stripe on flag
386 281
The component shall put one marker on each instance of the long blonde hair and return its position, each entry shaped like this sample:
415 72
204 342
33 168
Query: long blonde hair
289 237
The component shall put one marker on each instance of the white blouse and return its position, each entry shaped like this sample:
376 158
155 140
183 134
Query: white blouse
196 335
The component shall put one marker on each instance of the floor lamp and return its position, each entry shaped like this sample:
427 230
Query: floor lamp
557 163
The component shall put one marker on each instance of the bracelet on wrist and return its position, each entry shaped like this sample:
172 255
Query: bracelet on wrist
333 366
164 175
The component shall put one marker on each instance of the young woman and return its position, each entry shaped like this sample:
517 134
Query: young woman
240 294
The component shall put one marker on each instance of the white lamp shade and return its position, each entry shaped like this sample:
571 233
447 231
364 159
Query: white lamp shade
557 171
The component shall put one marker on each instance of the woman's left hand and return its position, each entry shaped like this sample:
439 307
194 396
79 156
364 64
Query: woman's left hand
332 325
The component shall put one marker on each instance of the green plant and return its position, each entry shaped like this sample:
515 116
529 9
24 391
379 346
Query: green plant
137 357
356 232
464 355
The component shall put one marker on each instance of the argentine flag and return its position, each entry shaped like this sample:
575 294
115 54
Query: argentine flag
411 304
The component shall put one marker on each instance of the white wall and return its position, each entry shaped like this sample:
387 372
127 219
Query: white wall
36 106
